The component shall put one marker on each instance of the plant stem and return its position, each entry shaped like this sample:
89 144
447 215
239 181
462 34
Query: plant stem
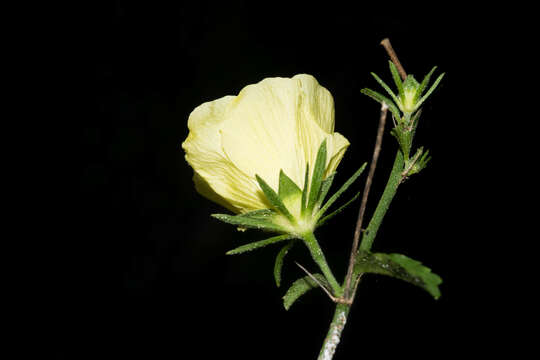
318 257
389 191
342 310
334 332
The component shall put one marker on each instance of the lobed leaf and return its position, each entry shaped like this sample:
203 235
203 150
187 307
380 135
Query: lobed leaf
400 267
258 244
300 287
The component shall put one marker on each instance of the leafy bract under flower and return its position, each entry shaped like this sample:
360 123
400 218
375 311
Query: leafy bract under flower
272 127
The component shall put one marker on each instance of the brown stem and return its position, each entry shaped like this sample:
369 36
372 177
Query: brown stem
365 194
390 50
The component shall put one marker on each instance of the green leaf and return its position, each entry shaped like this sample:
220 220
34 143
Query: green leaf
325 187
273 198
338 193
423 85
335 212
305 190
279 261
258 214
258 244
318 174
248 222
300 287
431 89
400 267
382 99
386 87
397 78
287 187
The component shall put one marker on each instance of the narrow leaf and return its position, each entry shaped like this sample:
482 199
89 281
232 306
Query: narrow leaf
382 99
287 187
386 87
273 198
248 222
400 267
279 261
258 214
431 89
300 287
340 209
423 85
258 244
338 193
305 190
325 187
397 78
318 173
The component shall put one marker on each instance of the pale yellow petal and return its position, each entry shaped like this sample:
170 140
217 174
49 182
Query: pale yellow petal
339 146
259 133
216 176
317 102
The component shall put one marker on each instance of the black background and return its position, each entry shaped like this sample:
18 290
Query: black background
142 271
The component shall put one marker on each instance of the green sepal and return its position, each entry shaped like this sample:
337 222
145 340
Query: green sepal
386 87
300 287
318 174
278 265
338 193
258 244
305 191
262 223
325 187
400 267
287 187
431 89
383 99
423 85
273 198
335 212
397 78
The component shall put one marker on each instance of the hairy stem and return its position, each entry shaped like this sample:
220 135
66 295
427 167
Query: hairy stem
318 257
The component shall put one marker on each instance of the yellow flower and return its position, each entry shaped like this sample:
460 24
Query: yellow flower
276 124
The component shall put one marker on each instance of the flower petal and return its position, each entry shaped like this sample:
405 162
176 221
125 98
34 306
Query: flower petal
259 134
216 177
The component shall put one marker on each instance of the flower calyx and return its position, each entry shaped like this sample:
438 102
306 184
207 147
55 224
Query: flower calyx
295 211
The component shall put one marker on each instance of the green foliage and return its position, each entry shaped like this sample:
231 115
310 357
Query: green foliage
383 99
338 193
325 187
300 287
287 187
317 179
261 222
274 198
322 221
279 261
400 267
258 244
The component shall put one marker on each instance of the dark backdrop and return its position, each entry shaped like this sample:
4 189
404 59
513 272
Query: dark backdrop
143 271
